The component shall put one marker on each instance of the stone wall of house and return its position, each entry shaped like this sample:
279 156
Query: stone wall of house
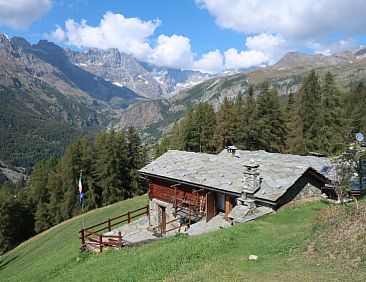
307 192
155 211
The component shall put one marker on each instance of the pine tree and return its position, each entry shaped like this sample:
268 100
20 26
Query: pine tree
332 124
42 217
163 146
226 122
355 109
136 159
272 129
204 122
310 111
250 122
295 143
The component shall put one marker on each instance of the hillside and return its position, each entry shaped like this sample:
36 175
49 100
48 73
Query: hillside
50 95
284 243
286 75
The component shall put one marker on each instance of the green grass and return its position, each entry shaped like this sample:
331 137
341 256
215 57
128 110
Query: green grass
52 253
280 241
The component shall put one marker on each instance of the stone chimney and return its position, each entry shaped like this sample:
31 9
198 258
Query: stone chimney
231 150
251 179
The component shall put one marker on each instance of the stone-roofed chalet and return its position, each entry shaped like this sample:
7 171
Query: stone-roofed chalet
238 183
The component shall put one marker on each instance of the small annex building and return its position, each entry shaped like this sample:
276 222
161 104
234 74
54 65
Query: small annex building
197 186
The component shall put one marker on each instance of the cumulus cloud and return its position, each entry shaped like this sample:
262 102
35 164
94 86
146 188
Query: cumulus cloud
235 60
172 51
262 49
129 35
212 62
295 20
132 36
285 25
57 35
338 46
20 14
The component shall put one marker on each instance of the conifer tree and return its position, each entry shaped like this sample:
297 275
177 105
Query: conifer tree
272 129
295 143
163 146
226 122
250 122
355 109
205 123
39 193
332 124
310 111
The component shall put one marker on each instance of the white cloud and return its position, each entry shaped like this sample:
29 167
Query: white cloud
264 41
212 62
285 25
295 20
339 46
132 36
20 14
235 60
172 51
262 49
57 35
129 35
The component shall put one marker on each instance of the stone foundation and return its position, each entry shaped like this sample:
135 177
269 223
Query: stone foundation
155 211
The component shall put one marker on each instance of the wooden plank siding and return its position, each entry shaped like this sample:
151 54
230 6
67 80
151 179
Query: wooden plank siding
163 191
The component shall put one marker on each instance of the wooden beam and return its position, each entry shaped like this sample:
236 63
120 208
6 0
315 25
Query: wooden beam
228 206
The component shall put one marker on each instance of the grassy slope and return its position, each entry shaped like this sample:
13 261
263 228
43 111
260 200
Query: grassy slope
280 240
54 252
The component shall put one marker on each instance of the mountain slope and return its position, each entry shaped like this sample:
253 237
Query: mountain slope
281 243
41 111
121 69
286 76
125 71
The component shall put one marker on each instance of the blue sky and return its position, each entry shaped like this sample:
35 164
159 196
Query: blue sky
208 35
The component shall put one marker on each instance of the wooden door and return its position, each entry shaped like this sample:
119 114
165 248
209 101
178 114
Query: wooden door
163 219
228 206
210 206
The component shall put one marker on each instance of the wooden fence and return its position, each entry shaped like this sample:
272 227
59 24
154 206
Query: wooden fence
95 234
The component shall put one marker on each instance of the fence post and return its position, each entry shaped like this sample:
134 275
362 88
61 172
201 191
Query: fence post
120 239
129 217
109 224
147 210
82 236
100 243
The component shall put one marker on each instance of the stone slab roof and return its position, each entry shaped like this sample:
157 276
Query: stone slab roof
322 165
224 172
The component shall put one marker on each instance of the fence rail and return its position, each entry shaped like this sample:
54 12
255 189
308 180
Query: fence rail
101 240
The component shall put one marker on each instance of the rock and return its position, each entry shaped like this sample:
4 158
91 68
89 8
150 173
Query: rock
253 257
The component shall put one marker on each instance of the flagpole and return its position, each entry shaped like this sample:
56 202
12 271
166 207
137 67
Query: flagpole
81 200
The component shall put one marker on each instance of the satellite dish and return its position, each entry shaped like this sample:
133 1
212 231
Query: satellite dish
360 137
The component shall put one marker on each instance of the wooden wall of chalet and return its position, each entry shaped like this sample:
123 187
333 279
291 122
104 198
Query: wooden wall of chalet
163 191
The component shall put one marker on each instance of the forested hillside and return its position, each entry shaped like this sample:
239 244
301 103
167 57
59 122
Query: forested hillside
109 174
318 118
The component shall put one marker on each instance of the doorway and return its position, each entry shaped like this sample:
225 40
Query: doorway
162 218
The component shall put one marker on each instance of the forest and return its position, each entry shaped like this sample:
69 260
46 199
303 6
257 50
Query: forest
109 167
318 118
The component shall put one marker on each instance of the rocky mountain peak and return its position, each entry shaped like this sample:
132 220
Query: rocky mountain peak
293 59
20 43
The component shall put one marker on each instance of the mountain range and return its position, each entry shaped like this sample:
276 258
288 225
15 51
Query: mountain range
50 95
157 117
